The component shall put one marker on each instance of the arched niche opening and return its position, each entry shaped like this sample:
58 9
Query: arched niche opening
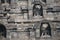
2 30
2 1
44 1
8 1
45 29
37 10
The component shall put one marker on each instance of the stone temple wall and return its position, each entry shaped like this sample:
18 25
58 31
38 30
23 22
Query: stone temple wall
23 19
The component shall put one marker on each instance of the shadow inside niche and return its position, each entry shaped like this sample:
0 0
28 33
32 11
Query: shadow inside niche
2 30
